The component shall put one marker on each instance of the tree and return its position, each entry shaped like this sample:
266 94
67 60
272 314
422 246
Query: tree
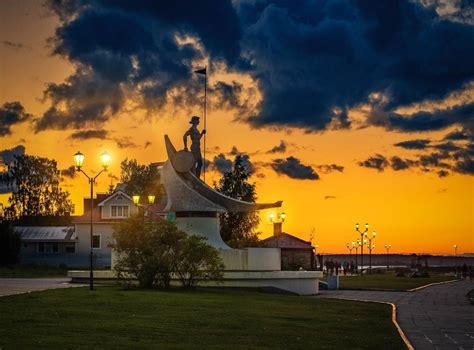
198 261
37 188
152 252
239 229
139 179
147 251
10 244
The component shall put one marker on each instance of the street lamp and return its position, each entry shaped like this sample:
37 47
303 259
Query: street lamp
369 240
358 243
455 258
387 248
362 246
136 199
350 247
280 217
79 162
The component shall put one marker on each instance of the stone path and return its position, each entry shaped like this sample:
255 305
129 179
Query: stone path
436 317
10 286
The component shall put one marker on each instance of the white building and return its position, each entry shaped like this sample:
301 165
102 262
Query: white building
54 245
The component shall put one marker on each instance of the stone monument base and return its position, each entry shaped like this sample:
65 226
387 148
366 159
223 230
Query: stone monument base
298 282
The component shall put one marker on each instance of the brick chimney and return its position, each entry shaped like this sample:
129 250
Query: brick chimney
277 228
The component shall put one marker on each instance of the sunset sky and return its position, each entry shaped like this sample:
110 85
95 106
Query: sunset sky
348 112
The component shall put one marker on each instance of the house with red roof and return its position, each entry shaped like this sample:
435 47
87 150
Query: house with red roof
296 253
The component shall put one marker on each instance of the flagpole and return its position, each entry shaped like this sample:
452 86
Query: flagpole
205 120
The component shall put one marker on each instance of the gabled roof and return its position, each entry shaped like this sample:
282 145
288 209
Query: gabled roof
116 193
45 233
285 240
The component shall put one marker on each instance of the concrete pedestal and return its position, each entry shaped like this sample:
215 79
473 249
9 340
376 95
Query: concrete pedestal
298 282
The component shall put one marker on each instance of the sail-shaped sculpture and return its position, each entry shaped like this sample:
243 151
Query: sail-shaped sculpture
196 204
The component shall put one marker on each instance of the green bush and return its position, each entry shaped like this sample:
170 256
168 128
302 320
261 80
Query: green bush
153 252
198 261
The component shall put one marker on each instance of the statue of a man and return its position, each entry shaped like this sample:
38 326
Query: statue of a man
195 136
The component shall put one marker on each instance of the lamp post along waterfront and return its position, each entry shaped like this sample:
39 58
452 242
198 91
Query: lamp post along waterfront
387 248
362 233
370 246
357 245
78 163
350 247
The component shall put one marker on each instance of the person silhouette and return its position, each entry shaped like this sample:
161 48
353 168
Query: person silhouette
195 136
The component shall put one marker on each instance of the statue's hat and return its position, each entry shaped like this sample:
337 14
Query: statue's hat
194 119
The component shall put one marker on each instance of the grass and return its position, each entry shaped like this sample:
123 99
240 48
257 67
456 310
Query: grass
178 319
32 271
388 281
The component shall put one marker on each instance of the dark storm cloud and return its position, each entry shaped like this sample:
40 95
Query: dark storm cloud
414 144
119 47
125 142
11 113
398 163
69 172
281 148
465 166
447 146
437 159
443 173
228 95
312 60
458 135
89 134
293 168
427 121
329 168
378 162
7 156
221 164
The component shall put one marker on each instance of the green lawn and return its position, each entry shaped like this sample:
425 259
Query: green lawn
208 318
388 281
32 271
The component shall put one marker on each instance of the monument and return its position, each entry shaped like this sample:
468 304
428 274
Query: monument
197 206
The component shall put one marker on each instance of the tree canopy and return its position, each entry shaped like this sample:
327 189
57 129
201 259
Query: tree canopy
239 229
139 179
38 192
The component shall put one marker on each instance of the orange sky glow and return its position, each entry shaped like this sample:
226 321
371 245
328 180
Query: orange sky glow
414 211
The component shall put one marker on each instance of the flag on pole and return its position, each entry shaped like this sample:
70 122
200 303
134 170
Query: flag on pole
201 71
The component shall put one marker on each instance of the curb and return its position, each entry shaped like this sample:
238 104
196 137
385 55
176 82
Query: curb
432 284
394 319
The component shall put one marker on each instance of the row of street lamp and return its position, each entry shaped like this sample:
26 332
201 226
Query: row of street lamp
364 240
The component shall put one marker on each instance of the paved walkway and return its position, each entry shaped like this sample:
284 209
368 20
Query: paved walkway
436 317
10 286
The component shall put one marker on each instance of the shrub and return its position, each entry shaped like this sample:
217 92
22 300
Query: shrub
10 244
198 261
146 251
152 252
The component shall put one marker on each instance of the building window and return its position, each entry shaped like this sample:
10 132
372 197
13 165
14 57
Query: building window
96 242
48 247
119 211
71 249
